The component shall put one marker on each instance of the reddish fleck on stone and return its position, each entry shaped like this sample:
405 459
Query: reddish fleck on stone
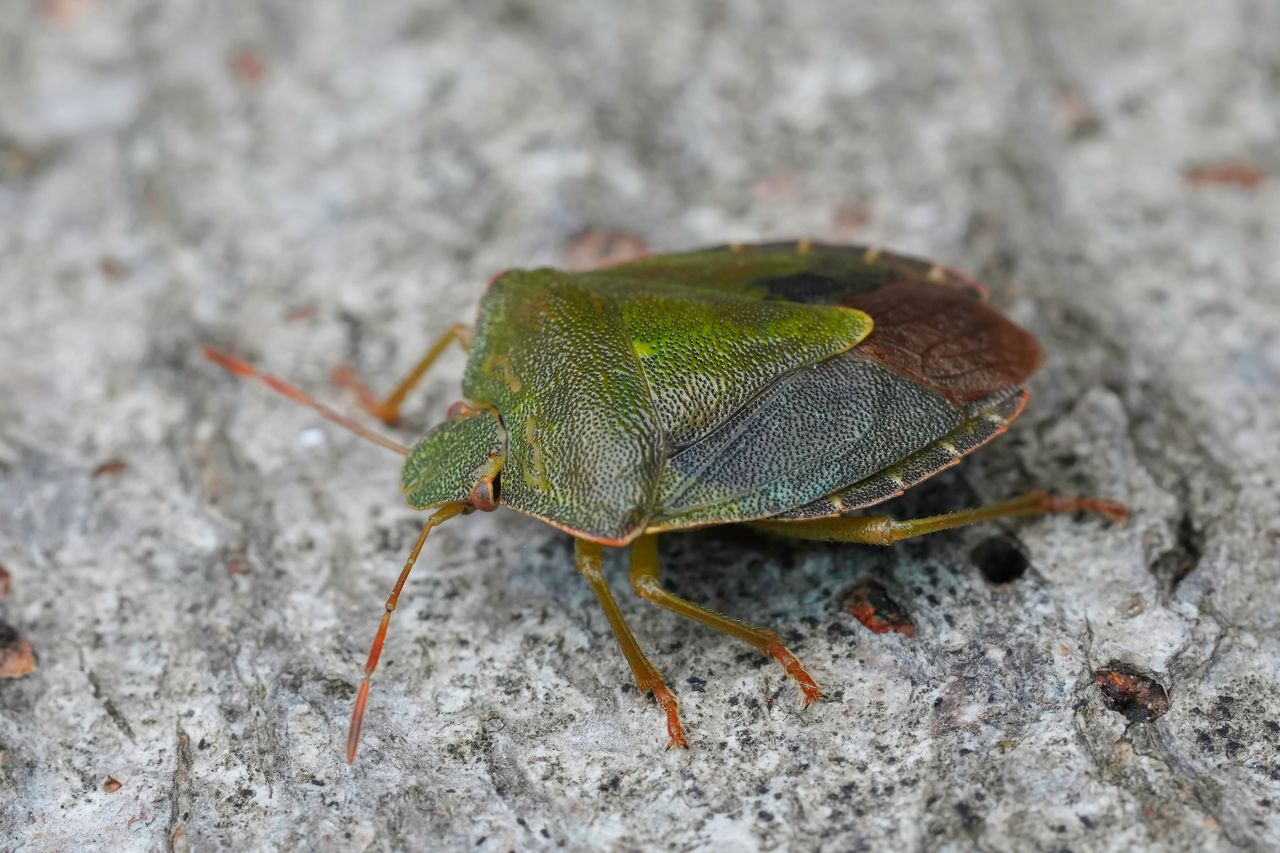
237 566
66 12
1231 174
6 582
16 656
302 312
112 785
850 218
781 185
112 268
592 249
110 468
248 65
1139 698
1079 119
872 606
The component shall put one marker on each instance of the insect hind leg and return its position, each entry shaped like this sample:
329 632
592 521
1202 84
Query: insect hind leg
387 409
884 530
646 582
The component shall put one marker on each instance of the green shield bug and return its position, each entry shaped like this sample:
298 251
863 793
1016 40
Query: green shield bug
782 385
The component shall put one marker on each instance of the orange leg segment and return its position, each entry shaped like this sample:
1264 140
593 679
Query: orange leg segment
441 515
388 410
590 559
646 582
883 530
238 367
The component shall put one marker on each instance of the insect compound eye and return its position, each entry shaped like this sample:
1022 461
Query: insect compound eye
459 409
484 496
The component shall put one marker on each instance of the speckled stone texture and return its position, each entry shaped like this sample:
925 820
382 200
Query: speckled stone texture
199 565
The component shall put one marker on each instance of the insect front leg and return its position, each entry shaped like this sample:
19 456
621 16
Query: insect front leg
590 560
883 530
388 410
646 581
441 515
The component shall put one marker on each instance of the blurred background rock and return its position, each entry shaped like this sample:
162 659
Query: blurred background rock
198 565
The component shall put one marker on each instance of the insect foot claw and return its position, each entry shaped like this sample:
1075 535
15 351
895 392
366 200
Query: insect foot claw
1115 511
667 700
791 664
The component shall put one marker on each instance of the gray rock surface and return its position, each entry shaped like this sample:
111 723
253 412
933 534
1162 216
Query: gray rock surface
316 183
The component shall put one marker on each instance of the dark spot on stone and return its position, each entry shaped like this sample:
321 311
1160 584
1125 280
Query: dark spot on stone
1181 560
871 605
1138 697
696 684
968 816
999 559
339 688
612 785
1233 748
836 630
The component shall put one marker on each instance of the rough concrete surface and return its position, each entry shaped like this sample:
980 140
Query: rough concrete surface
199 565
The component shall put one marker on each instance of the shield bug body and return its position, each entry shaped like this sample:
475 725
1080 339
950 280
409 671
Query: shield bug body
786 386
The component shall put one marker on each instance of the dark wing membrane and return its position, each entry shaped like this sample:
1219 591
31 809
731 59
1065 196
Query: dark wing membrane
812 273
947 451
811 433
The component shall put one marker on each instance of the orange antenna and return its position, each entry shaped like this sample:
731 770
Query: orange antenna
243 368
443 514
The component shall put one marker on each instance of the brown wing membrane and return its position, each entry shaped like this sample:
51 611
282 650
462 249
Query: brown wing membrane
952 344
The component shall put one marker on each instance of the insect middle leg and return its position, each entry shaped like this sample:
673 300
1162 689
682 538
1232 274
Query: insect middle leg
883 530
388 409
590 560
646 581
